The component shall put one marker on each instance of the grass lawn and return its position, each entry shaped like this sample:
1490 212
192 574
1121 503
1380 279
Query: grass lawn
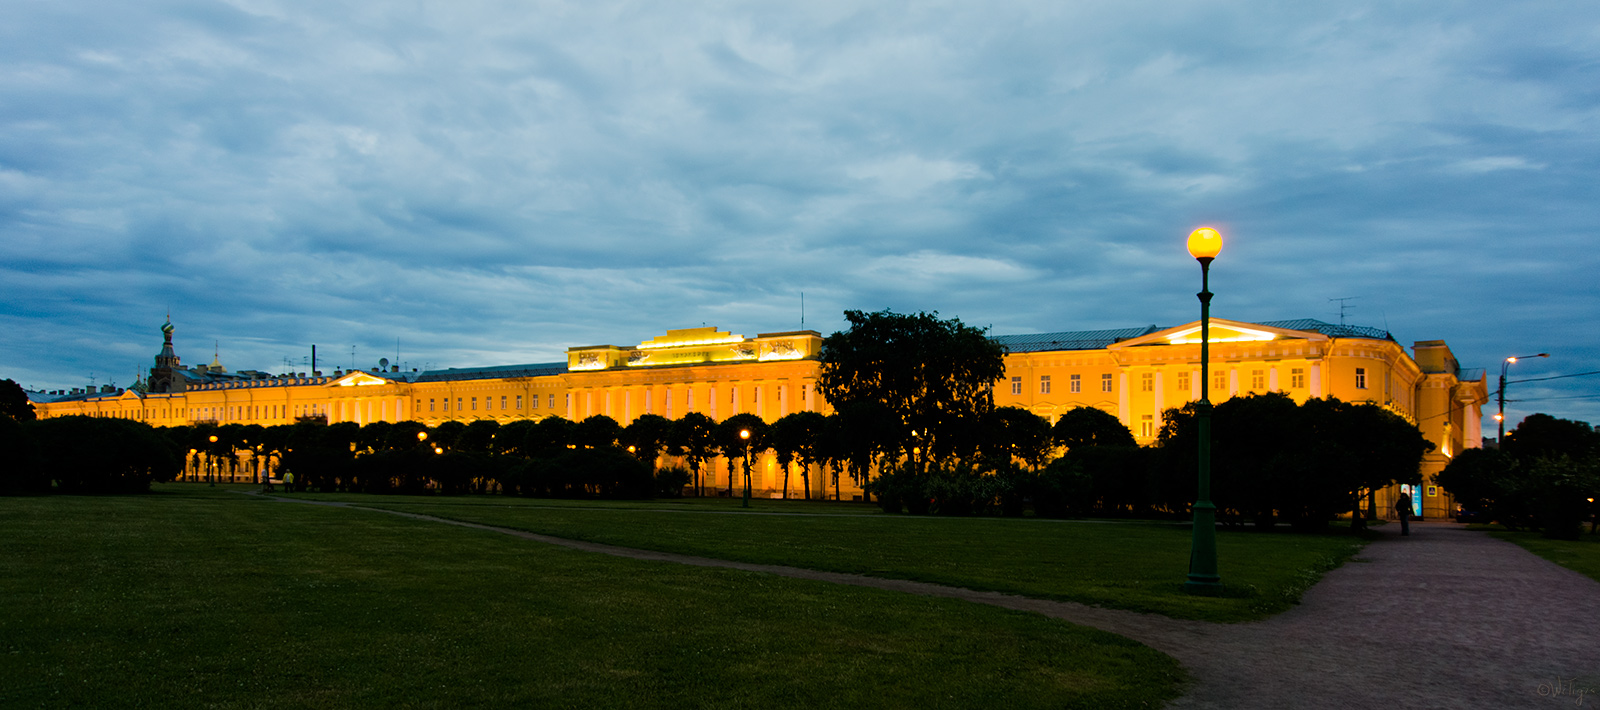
1581 555
1121 564
200 597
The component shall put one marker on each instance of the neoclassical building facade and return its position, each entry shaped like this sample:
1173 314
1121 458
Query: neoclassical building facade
1134 373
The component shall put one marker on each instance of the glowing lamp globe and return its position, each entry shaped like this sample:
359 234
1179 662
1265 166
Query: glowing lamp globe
1205 243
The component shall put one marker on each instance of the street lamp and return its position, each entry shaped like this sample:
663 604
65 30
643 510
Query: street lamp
744 435
1500 416
422 436
211 479
1204 245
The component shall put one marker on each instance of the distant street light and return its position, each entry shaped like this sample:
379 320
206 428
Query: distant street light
211 479
1500 394
1205 244
744 435
422 436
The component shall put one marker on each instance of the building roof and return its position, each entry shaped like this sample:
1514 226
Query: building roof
486 373
1070 339
1329 329
1098 339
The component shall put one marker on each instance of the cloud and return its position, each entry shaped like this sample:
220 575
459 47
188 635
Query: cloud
492 181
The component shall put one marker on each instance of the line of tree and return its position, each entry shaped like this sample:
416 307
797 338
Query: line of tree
1545 476
78 455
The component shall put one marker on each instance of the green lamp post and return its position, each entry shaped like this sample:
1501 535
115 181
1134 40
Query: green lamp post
1204 245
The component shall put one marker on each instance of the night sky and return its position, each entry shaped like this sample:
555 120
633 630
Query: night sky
483 183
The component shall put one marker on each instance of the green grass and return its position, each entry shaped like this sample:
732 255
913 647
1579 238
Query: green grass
1133 565
200 597
1581 555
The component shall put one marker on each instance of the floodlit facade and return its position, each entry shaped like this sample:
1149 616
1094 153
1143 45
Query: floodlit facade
1134 373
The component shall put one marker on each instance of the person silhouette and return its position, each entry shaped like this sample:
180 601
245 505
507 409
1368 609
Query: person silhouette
1403 507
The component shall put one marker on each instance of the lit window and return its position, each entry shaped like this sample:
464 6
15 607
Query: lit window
430 404
553 401
1219 382
1361 378
474 404
458 404
1183 380
1075 384
1105 382
519 401
503 402
1258 379
1044 384
1297 378
1147 424
1147 382
1016 385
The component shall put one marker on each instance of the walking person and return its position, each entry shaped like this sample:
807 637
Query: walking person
1403 507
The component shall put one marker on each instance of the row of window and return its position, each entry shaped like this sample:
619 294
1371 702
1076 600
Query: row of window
471 403
1219 381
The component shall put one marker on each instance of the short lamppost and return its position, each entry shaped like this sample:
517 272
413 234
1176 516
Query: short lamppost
1204 245
211 478
744 435
1500 395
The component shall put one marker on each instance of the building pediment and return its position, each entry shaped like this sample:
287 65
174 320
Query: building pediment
1222 331
359 379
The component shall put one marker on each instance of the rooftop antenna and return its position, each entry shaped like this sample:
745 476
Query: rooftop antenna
1343 306
802 310
353 357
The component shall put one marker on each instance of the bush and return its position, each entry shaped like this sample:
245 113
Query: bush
670 481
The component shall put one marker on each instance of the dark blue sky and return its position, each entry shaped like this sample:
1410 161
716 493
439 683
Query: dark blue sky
490 183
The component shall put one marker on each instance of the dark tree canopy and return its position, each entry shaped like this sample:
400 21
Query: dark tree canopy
1272 459
1014 432
14 402
647 435
932 376
1087 426
1542 477
1541 435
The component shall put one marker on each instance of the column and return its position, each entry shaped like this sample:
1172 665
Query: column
1158 400
1122 400
1316 380
1272 379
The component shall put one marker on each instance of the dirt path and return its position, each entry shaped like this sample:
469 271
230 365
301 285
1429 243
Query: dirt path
1445 618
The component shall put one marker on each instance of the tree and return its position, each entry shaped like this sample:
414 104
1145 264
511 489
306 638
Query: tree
22 471
1016 433
1087 426
1303 463
597 432
646 436
798 436
732 444
694 437
1541 435
930 375
862 433
1542 477
14 402
105 455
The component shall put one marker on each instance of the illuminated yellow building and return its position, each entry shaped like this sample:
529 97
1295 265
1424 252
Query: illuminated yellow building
1135 374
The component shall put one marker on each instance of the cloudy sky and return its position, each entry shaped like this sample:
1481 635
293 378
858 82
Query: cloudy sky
482 183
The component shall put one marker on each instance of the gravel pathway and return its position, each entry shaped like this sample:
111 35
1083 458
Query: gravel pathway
1445 618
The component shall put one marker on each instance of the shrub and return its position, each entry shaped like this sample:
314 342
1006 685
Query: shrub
670 481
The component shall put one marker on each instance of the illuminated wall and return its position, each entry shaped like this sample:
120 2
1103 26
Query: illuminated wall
721 374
